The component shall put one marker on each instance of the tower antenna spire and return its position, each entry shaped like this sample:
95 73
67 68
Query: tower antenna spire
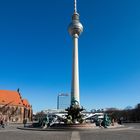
75 6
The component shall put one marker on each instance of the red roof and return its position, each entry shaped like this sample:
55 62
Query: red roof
12 98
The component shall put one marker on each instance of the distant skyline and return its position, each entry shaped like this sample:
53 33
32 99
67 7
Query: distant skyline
36 51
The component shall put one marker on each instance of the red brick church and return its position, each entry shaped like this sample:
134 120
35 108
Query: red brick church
13 108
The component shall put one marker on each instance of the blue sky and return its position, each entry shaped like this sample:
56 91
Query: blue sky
36 51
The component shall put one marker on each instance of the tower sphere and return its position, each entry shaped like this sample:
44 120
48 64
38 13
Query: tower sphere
75 26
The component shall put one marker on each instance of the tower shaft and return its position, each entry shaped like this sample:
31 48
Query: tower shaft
75 29
75 73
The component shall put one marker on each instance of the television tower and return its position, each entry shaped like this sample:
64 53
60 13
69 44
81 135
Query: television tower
75 29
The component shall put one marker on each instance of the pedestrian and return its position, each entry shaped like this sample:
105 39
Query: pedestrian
2 123
24 122
100 122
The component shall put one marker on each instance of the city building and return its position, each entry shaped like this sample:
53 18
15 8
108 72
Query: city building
63 101
13 108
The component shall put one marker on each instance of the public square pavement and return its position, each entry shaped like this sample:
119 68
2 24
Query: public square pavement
129 132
